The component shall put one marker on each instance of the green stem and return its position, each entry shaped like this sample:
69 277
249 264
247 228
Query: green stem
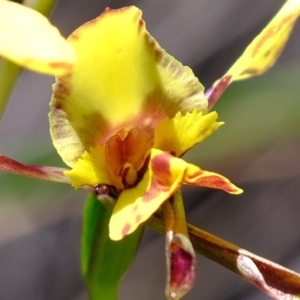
174 214
103 261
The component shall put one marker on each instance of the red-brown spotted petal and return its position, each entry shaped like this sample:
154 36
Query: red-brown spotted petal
39 172
262 52
196 177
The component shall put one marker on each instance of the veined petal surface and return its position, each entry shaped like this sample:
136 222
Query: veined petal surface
123 79
28 39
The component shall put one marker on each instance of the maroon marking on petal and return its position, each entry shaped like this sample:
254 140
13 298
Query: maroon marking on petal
62 88
215 182
126 229
181 265
173 153
58 105
161 177
214 93
273 31
273 277
9 165
138 218
39 172
160 164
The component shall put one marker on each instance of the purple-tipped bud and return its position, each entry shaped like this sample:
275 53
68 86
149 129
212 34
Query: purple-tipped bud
181 262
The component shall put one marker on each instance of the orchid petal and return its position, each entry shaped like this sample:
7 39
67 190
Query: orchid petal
38 172
28 39
123 79
90 169
262 52
194 176
179 134
165 175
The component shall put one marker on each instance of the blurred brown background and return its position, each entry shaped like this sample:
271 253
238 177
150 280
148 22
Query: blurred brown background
258 149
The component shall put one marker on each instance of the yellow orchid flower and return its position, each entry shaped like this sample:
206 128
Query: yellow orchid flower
129 111
28 39
126 115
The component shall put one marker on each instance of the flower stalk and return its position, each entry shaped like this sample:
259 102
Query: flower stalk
180 255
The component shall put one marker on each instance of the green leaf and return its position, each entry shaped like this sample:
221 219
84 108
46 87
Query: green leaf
103 261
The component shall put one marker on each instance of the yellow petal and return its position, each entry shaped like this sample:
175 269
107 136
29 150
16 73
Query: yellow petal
123 79
28 39
195 176
165 175
179 134
263 51
90 169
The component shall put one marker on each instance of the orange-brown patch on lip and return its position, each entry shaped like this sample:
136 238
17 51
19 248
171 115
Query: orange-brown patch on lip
126 155
161 181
